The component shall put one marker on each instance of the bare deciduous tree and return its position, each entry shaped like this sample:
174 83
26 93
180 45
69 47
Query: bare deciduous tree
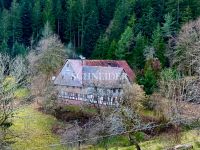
187 49
13 73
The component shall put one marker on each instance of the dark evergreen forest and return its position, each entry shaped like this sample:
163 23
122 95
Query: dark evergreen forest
98 29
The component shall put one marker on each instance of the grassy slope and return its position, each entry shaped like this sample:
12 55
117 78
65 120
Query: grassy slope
34 129
189 137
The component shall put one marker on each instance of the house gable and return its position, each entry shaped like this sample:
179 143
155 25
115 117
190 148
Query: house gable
68 76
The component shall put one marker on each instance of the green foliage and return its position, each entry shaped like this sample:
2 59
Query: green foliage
101 48
26 22
36 19
168 26
48 14
18 49
115 141
149 81
169 74
138 60
159 45
122 15
22 93
15 26
106 9
139 136
124 43
4 34
59 18
146 23
149 78
111 50
186 15
82 23
91 25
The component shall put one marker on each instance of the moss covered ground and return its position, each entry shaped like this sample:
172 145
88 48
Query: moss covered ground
33 130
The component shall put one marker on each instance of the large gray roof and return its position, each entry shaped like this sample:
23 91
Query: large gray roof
77 73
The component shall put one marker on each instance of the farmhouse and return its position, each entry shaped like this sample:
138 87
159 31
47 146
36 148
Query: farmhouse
93 81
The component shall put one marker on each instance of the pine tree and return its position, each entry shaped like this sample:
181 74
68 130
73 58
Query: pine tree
91 25
15 26
58 16
159 9
122 15
159 45
111 50
4 32
186 15
36 20
195 7
101 48
168 26
106 10
48 14
149 80
26 22
138 60
124 43
174 8
75 22
147 23
18 49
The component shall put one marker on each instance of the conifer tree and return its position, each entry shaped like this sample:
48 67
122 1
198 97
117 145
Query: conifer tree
149 80
124 43
159 45
147 23
58 16
111 50
18 49
15 26
123 12
36 19
168 26
138 59
26 22
186 15
101 48
91 25
4 32
48 14
106 10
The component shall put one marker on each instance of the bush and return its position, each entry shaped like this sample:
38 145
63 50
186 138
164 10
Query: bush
148 104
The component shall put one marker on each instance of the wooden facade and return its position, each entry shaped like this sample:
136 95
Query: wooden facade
72 84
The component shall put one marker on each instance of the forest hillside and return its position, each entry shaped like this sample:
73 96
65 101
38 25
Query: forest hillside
158 109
